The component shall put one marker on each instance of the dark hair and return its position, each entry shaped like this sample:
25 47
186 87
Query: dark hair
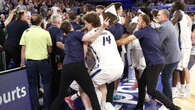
178 5
100 7
113 18
131 28
72 15
147 12
145 18
89 7
65 26
36 19
19 14
93 18
117 5
154 12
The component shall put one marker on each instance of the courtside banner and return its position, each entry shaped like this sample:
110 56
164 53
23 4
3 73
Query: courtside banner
14 93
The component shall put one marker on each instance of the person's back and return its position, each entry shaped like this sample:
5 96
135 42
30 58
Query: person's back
15 30
105 49
73 45
170 47
36 45
151 50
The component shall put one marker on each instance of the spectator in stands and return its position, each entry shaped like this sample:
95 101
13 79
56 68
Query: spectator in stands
43 10
55 8
15 30
21 5
88 8
36 45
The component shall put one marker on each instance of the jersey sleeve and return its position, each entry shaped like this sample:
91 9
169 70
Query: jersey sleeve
79 35
139 34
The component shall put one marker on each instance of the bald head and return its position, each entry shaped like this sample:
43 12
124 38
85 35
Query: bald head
165 12
163 15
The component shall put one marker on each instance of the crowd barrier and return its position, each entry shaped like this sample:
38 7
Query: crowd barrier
14 92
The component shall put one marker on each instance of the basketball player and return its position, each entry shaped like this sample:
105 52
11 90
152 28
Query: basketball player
109 65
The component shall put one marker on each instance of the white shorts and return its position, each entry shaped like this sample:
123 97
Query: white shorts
102 76
107 75
136 55
185 59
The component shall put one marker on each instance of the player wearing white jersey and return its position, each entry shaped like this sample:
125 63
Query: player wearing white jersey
108 61
109 65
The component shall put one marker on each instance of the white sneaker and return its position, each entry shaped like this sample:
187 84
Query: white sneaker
182 92
147 98
175 92
109 106
188 90
163 108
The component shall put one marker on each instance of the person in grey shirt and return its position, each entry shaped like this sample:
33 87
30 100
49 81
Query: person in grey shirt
170 50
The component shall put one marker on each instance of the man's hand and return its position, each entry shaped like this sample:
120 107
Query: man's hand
1 46
105 23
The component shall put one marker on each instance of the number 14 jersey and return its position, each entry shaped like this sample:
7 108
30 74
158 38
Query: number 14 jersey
105 51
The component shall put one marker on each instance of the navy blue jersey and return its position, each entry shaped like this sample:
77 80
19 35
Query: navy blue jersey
150 43
74 47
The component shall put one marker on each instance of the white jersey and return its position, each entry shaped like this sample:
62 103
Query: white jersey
105 50
185 26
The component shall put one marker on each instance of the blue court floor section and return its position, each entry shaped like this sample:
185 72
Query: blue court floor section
126 97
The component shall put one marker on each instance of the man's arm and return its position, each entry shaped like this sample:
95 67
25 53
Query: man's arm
125 40
90 37
60 45
49 48
85 46
22 64
11 15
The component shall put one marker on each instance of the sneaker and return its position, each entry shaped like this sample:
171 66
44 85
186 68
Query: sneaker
109 106
147 98
182 92
163 108
70 102
175 93
188 90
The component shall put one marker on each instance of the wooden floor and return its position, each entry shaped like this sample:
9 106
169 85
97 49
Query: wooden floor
188 103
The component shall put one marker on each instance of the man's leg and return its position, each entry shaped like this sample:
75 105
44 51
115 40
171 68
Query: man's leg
32 73
141 89
65 82
45 71
166 75
110 88
86 84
